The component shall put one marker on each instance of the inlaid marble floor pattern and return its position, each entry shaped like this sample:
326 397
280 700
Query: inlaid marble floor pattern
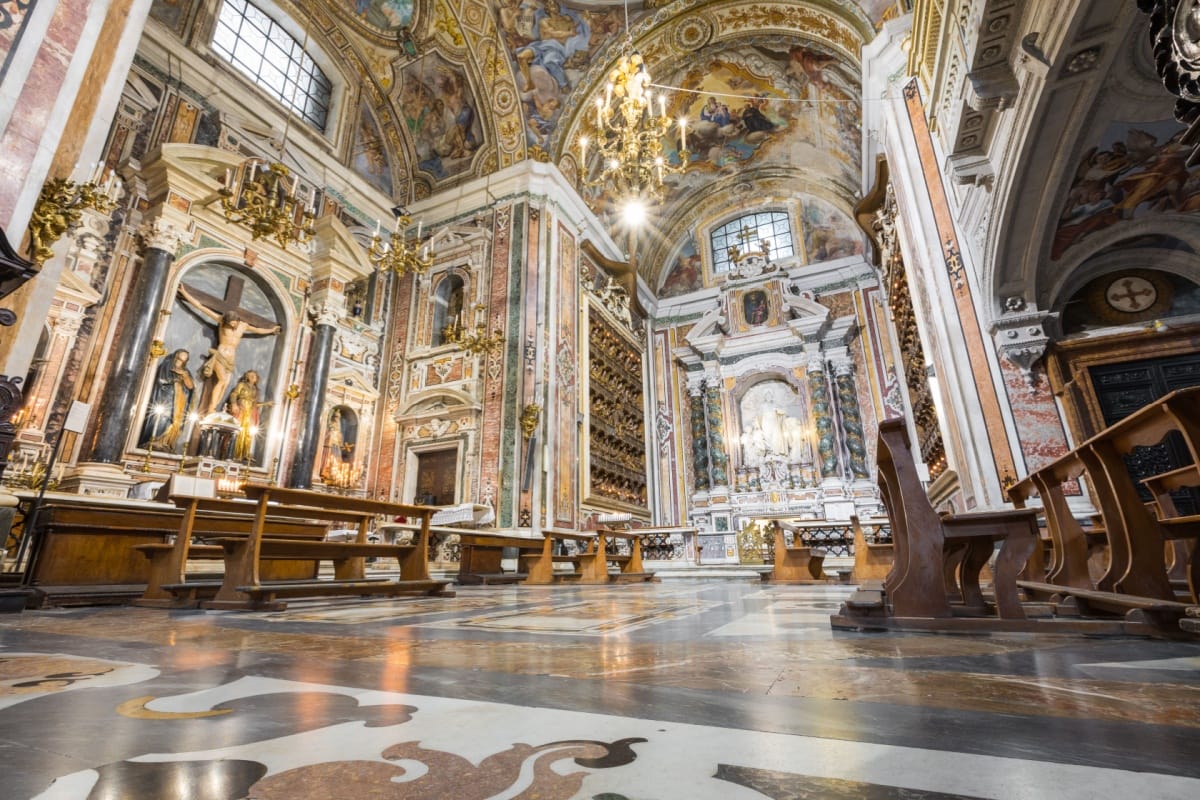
675 691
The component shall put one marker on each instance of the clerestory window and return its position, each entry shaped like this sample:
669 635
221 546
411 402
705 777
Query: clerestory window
261 49
748 232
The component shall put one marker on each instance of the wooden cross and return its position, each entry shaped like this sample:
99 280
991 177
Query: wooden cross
231 302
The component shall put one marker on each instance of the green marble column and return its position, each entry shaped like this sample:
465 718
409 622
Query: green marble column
852 429
716 436
700 477
822 412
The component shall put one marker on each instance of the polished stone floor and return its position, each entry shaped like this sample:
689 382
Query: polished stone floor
673 691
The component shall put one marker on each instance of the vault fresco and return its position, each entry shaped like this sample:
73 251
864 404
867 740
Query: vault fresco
769 103
441 116
1136 170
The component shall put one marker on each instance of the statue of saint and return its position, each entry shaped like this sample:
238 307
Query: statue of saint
217 371
170 401
243 406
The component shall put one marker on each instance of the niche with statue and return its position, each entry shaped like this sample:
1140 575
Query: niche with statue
339 464
209 392
776 449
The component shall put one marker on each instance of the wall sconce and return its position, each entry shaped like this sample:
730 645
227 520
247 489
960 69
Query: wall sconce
530 418
60 206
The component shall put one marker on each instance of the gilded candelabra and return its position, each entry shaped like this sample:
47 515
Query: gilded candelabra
59 207
530 417
398 253
628 139
263 197
480 342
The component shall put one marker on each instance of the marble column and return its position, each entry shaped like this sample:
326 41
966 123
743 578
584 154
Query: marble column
852 429
822 411
114 411
716 436
312 403
700 477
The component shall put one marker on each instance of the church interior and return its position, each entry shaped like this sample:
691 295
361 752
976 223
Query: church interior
347 349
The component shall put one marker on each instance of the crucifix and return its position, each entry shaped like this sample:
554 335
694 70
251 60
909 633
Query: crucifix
232 323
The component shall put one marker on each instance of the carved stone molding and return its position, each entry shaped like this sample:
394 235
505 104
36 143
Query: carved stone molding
1020 335
327 313
161 234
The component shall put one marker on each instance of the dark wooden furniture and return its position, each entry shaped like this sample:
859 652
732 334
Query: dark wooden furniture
920 584
1135 533
243 586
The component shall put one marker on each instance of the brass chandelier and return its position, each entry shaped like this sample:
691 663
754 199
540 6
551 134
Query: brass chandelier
480 342
627 145
263 197
398 253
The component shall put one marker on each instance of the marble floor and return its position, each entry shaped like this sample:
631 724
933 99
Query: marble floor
673 691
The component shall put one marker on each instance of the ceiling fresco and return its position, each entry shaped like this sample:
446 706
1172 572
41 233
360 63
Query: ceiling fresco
440 116
447 90
1136 170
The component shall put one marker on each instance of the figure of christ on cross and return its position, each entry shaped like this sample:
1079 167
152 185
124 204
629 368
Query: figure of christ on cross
232 324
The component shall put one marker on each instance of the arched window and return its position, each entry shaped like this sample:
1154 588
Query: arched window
747 232
258 47
447 308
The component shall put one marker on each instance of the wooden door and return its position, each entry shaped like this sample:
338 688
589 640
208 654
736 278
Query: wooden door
437 478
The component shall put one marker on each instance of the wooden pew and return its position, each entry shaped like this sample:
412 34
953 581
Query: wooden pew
1182 532
796 563
482 553
872 560
1068 541
209 518
1135 534
630 569
244 588
916 587
539 566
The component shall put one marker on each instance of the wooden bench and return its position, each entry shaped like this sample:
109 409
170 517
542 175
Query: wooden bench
244 588
1182 532
630 569
210 518
872 560
1069 600
539 566
920 584
795 563
1135 535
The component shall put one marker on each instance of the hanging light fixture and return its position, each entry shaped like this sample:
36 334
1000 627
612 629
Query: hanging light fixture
398 253
263 195
630 124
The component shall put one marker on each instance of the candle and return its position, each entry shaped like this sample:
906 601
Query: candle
662 105
583 143
420 224
683 133
228 177
378 224
397 228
